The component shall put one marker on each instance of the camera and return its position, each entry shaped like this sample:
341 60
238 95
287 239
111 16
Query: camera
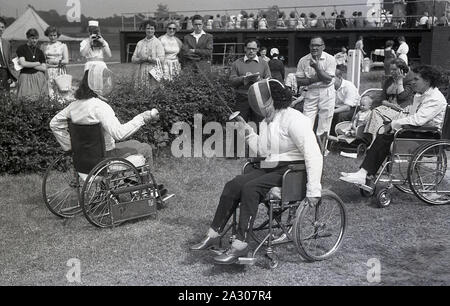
95 36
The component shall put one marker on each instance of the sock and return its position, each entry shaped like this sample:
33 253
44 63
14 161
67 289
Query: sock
212 233
239 245
362 172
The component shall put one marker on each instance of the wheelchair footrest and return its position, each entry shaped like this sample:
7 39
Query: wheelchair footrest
247 260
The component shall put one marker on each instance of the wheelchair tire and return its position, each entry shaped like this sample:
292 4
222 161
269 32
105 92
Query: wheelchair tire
384 198
96 196
427 173
60 187
313 225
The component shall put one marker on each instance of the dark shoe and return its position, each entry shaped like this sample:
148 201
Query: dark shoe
206 243
231 256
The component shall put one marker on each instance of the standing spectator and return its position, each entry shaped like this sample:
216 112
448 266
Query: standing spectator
443 21
251 22
209 23
403 49
178 23
316 70
360 45
262 23
244 72
147 54
94 48
198 46
32 80
7 72
321 20
263 54
341 57
172 46
189 25
280 22
389 55
351 22
341 22
276 66
56 56
331 21
431 21
423 21
301 24
312 22
244 21
371 21
238 21
217 23
292 21
359 22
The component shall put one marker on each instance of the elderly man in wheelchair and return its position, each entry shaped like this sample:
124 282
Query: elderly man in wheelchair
289 145
422 124
112 175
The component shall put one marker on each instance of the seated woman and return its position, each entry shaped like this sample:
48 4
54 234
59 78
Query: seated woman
90 108
428 109
296 142
397 91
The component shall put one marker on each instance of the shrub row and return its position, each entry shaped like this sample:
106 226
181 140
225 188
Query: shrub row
27 144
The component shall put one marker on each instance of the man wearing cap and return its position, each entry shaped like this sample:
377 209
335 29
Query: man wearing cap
198 46
7 71
94 48
244 72
316 71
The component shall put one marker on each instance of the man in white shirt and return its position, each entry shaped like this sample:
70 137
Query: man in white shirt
316 71
198 46
94 48
403 49
347 99
423 21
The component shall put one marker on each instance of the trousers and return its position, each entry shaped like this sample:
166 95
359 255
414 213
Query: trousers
320 102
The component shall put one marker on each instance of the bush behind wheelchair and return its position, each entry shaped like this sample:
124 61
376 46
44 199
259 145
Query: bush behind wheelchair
285 217
417 165
108 191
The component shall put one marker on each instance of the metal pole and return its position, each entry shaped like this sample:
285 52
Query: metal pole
434 13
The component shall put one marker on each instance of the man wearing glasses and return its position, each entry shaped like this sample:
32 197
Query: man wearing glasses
316 71
198 46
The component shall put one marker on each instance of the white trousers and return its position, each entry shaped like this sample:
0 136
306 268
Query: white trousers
320 101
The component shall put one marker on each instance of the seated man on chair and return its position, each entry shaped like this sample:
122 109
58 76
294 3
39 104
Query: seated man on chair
90 108
286 137
428 110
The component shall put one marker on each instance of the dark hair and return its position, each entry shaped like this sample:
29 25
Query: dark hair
84 92
400 64
282 96
303 15
2 20
292 14
323 13
429 74
50 30
218 15
280 15
197 17
401 38
341 70
172 22
312 15
359 13
316 37
32 33
150 22
389 43
249 40
263 48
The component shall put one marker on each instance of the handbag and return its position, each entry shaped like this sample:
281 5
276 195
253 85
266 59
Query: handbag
156 72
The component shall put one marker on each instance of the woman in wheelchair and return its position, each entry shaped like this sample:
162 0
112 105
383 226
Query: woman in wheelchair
428 110
91 108
285 138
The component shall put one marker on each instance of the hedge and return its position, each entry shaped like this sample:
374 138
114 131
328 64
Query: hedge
27 144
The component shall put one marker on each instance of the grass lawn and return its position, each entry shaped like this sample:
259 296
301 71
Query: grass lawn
409 238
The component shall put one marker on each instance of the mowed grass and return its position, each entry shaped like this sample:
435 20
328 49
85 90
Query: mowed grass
409 238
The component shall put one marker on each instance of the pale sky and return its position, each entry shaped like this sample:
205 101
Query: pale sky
104 8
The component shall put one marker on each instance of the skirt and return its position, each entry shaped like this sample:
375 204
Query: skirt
32 86
378 116
143 79
171 69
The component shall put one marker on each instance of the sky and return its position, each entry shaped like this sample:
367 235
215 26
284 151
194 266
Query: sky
105 8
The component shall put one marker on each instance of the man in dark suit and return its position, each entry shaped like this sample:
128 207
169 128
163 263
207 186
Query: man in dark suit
198 46
7 71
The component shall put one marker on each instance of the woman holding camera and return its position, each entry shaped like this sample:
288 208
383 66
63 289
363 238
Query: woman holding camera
94 48
56 56
32 79
148 54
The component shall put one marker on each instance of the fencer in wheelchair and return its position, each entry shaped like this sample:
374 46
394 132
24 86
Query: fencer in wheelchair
292 160
398 141
109 182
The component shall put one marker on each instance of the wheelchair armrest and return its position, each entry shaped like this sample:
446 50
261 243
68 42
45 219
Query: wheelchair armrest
255 160
420 128
297 167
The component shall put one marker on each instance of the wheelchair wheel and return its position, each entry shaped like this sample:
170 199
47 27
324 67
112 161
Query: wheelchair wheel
60 188
318 230
428 176
384 198
259 226
97 197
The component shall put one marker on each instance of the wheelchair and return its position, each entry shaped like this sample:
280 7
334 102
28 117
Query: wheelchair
409 165
284 217
108 191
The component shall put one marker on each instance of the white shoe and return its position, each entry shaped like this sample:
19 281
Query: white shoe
344 173
354 178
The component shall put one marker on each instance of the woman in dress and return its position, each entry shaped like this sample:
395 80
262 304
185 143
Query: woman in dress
56 57
172 46
32 79
147 54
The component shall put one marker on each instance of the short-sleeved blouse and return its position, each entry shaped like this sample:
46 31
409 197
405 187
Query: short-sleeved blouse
31 55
